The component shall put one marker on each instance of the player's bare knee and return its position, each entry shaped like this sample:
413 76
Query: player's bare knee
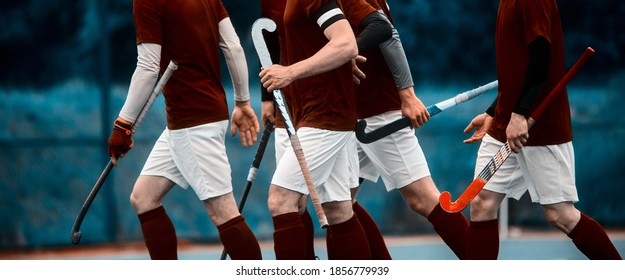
279 205
418 206
421 195
556 220
483 208
338 211
562 216
142 204
302 205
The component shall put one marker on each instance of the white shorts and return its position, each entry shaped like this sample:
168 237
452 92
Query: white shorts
397 158
327 156
282 142
194 156
547 172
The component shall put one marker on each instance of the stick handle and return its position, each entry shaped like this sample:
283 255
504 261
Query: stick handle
314 197
588 53
258 157
155 92
299 154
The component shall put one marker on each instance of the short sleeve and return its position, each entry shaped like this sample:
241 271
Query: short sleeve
324 12
222 11
356 10
148 21
536 17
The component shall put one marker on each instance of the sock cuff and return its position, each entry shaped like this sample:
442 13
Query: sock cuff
344 226
287 220
436 212
151 214
357 207
580 225
231 222
485 224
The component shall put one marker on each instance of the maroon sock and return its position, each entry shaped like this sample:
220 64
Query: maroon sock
374 236
159 234
482 241
348 241
329 245
289 237
451 227
239 240
592 240
310 235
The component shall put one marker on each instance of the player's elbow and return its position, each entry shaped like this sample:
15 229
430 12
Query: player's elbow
348 49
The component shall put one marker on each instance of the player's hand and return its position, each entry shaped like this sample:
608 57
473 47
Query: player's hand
480 123
268 112
120 141
275 77
244 120
413 108
517 132
357 74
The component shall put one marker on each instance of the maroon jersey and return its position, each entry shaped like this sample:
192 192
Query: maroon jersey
188 32
519 22
376 93
325 101
356 10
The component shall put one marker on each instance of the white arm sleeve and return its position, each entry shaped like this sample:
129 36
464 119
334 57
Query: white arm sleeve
143 80
235 59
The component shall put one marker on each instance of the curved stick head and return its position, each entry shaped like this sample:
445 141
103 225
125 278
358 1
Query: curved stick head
76 237
361 135
445 201
448 206
259 41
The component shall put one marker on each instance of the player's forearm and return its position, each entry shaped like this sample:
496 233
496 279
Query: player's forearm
235 59
142 81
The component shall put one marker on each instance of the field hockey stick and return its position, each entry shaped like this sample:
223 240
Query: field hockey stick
504 152
76 235
390 128
265 61
258 157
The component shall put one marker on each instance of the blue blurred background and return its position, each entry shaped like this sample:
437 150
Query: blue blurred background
66 66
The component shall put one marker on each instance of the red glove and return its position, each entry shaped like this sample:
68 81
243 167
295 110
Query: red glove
120 140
